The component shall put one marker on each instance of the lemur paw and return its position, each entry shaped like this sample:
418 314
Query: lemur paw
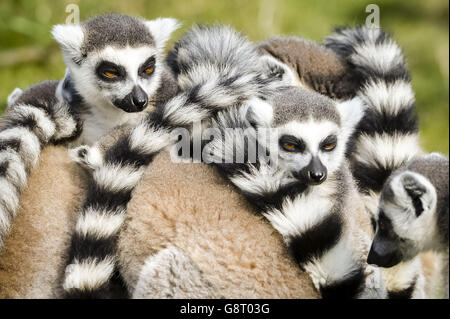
86 156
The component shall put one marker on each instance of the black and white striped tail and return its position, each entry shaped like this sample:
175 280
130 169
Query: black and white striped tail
215 67
35 118
387 136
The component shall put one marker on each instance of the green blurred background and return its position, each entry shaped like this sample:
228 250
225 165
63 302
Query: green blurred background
28 54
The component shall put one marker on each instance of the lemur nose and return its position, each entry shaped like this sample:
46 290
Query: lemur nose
139 97
316 177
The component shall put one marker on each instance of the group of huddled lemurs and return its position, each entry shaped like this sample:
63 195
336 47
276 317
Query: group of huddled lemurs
343 203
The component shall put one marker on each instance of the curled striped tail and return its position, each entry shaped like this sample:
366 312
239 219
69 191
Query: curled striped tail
387 136
216 68
35 118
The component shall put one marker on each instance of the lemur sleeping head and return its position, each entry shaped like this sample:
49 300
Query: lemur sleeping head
312 131
413 212
115 60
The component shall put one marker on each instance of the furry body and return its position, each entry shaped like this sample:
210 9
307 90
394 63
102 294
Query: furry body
38 117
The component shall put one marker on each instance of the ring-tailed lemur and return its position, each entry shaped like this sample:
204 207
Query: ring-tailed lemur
116 66
217 68
115 69
36 117
413 213
387 136
304 188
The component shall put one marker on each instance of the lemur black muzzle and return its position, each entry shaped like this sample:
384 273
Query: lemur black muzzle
313 174
384 253
135 101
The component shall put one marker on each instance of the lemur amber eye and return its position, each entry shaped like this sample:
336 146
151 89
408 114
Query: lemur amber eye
288 146
109 74
148 70
329 147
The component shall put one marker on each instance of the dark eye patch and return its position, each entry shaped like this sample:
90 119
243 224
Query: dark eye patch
105 67
148 64
299 145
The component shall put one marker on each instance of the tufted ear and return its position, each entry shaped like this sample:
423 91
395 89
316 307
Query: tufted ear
413 192
70 37
420 191
351 113
275 69
258 113
161 29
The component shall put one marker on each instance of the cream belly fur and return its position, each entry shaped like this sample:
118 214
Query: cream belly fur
33 255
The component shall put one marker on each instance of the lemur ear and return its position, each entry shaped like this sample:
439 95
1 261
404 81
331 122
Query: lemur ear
14 96
351 113
275 69
161 29
415 190
258 113
70 37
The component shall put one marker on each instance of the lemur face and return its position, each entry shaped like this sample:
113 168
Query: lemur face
406 219
311 132
310 150
115 60
119 77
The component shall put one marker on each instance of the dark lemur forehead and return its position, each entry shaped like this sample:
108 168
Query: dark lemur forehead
299 104
115 29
